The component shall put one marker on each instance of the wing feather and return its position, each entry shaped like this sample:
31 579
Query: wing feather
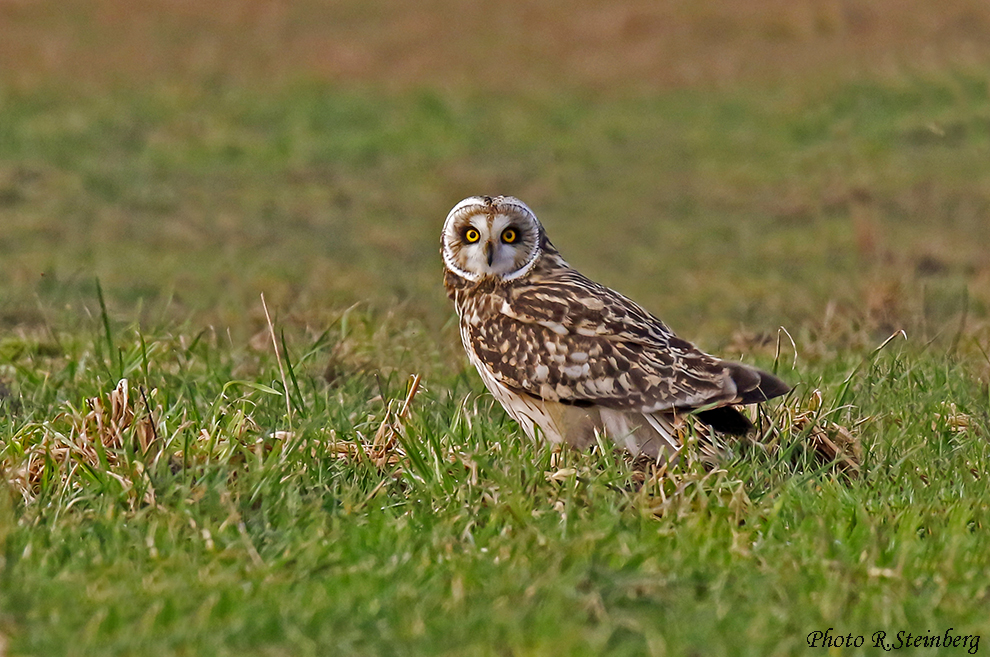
570 340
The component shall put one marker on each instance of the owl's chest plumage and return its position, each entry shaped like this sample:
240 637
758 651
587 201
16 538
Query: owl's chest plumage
491 345
491 348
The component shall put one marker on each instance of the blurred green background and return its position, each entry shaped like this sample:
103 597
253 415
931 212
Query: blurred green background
729 165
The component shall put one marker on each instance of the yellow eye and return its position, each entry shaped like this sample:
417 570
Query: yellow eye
472 236
509 236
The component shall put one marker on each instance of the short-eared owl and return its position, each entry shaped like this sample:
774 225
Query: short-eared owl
571 357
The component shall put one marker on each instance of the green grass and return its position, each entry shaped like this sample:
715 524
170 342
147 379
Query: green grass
256 544
716 210
844 213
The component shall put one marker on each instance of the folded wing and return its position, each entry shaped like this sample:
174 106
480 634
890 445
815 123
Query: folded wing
573 341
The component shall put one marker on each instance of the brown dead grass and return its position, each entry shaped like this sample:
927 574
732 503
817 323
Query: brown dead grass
115 435
96 438
546 45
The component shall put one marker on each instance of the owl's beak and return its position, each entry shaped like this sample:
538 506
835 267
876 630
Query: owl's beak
489 253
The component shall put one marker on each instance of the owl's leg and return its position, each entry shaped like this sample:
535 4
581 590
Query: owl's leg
574 425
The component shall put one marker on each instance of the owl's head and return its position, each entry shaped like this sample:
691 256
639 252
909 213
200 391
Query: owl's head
491 236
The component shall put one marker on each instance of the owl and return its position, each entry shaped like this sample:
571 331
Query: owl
570 359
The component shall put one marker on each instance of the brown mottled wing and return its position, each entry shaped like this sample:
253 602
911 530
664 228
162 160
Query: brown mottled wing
565 338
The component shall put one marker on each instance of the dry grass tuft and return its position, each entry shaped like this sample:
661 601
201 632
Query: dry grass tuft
110 436
831 441
385 449
954 420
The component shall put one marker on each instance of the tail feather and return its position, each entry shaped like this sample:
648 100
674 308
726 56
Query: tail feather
726 419
663 426
754 385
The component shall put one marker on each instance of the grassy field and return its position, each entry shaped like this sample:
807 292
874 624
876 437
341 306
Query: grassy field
814 167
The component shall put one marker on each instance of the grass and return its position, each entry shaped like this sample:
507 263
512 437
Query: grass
872 196
226 537
812 168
